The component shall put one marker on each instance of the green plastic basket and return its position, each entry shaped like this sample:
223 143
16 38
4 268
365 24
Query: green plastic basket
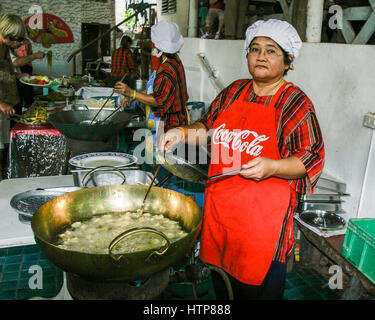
359 246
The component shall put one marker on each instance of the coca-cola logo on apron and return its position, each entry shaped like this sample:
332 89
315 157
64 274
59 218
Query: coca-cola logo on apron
241 140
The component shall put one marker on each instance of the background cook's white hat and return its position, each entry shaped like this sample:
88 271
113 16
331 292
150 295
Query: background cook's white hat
282 32
167 37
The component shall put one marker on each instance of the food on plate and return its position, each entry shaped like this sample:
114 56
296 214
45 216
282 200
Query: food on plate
40 80
95 234
38 115
52 96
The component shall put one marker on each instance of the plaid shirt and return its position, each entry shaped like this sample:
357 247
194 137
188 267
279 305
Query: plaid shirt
171 92
218 5
121 62
298 135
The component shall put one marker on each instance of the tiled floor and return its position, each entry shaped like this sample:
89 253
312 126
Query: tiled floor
16 271
305 284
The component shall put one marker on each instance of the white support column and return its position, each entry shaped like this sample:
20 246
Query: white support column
193 19
314 20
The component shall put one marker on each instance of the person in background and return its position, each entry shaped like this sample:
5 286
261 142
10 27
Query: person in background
202 15
122 62
166 92
216 10
268 129
12 34
22 58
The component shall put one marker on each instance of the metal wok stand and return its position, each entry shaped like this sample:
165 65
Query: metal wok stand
64 292
62 295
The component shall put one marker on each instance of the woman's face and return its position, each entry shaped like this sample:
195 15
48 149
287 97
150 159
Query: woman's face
11 42
265 60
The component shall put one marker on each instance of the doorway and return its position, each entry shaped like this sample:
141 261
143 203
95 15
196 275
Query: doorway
100 48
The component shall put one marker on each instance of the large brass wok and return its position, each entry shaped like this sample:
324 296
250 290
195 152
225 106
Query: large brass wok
60 212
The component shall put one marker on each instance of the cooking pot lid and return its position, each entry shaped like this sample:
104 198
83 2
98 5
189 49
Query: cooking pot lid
323 220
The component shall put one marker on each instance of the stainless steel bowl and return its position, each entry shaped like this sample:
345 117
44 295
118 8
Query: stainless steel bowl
323 220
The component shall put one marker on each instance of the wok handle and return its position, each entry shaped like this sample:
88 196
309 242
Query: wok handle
133 231
101 167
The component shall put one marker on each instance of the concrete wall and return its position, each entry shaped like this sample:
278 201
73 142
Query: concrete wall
181 17
338 78
74 13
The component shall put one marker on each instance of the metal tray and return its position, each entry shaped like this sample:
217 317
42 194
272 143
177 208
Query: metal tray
323 220
323 196
26 203
110 177
330 185
329 207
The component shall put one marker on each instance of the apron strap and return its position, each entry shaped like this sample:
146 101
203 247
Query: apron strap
278 94
274 98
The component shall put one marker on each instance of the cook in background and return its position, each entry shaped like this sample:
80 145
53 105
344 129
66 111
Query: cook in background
22 58
122 62
267 127
166 95
12 33
215 11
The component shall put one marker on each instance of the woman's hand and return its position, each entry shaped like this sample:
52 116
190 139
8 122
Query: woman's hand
259 169
168 140
22 75
123 89
262 168
125 102
7 109
39 55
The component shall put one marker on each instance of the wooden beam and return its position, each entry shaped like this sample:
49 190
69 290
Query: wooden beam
299 18
285 8
347 31
357 14
367 31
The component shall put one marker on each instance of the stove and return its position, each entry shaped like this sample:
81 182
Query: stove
85 289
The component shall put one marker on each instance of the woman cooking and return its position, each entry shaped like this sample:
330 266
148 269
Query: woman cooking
12 34
166 92
268 128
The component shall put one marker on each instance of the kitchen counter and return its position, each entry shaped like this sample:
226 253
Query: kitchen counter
331 247
13 232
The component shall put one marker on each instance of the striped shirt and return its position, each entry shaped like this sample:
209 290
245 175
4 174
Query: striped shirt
218 5
298 134
121 62
170 91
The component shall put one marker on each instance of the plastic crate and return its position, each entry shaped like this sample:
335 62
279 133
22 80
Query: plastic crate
359 246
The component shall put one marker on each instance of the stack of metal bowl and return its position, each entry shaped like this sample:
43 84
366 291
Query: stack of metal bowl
107 168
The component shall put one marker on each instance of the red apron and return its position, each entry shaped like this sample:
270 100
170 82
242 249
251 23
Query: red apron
243 218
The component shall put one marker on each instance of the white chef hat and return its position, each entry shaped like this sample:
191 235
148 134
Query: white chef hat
282 32
167 37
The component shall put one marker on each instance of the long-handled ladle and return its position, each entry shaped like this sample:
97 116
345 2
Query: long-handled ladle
149 188
122 79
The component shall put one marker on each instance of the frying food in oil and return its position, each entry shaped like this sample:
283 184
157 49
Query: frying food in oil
95 234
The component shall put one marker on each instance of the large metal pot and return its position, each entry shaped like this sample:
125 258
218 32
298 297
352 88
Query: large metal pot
140 84
60 212
71 124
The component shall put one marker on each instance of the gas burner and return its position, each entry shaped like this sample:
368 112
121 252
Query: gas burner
86 289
